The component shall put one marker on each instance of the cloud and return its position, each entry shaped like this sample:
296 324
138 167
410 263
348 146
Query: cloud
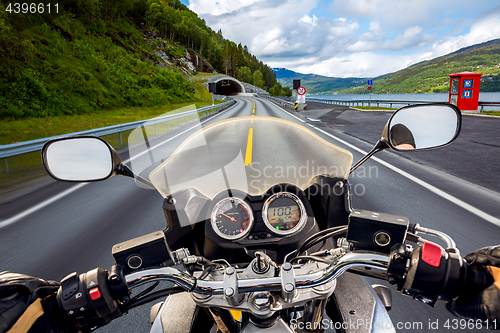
482 31
399 13
361 64
219 7
357 38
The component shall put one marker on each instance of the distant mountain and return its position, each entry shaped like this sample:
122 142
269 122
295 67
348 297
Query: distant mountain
431 76
317 84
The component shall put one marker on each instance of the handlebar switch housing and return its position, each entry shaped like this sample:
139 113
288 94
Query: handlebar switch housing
434 273
396 269
92 305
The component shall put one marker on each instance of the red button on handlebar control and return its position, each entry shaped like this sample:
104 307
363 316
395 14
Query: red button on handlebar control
94 293
431 254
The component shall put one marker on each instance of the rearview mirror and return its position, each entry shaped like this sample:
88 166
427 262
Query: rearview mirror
79 159
422 127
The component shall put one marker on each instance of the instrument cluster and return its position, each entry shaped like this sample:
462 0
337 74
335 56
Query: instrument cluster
272 216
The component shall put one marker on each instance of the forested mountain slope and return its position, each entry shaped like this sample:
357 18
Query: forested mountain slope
102 54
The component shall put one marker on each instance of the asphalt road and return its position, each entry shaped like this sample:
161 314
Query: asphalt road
76 232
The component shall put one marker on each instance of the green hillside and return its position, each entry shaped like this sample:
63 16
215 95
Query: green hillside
432 76
100 55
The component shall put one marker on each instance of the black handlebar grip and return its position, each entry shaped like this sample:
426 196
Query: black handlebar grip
474 281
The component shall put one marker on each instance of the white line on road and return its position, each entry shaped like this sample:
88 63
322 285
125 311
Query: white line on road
61 195
41 205
428 186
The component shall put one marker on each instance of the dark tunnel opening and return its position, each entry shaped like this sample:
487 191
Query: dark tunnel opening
228 87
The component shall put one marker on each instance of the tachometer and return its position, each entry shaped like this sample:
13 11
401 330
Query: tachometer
284 213
232 218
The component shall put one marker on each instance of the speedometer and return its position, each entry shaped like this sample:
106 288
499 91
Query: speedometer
284 213
232 218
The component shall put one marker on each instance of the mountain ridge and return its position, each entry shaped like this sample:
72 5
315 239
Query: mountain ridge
429 76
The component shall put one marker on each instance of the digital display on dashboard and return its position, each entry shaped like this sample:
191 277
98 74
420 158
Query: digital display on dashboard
284 213
285 217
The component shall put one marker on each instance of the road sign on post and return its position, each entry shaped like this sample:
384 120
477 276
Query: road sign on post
370 84
296 84
301 98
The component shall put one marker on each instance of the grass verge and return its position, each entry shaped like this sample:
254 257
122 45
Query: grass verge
491 113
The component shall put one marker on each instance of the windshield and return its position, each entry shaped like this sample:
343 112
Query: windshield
250 154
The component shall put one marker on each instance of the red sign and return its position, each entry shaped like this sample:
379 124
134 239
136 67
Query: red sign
369 87
301 91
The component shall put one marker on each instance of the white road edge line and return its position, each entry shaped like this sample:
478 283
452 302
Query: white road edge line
61 195
41 205
279 107
428 186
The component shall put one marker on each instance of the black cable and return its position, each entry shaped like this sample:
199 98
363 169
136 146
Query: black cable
145 291
207 271
153 296
313 258
316 235
304 247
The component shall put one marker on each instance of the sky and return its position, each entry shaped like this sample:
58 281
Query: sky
351 38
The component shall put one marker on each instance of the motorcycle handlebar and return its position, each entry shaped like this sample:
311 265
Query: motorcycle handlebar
325 275
94 298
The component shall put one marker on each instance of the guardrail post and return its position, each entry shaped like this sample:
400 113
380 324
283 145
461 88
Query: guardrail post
156 129
5 165
120 138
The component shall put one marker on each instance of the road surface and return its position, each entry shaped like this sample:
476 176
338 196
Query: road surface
77 231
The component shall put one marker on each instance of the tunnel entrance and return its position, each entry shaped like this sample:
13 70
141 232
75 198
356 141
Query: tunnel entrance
229 87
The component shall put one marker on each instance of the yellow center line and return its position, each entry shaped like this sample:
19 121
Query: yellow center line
248 155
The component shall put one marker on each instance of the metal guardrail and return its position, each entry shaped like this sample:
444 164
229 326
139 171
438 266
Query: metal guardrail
279 101
483 104
34 145
362 102
378 102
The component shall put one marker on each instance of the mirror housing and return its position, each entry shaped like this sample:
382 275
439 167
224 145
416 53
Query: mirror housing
418 127
80 159
422 127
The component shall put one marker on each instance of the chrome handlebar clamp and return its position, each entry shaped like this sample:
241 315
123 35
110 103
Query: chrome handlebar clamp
230 283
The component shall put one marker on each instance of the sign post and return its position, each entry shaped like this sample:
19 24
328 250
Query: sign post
370 83
301 97
212 88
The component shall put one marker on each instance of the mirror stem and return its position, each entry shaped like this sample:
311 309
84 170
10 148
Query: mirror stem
126 171
379 146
